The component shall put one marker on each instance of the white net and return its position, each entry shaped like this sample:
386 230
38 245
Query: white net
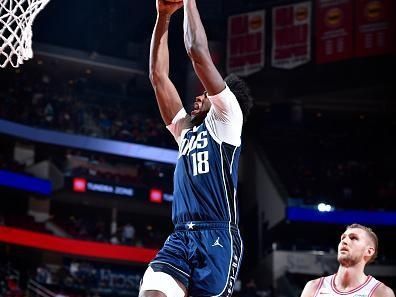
16 21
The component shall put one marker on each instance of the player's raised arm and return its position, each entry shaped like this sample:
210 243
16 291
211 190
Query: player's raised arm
196 44
167 96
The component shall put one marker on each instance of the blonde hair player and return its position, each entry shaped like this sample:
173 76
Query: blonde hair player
357 248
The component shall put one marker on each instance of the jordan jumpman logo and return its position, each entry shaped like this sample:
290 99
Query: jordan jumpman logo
217 243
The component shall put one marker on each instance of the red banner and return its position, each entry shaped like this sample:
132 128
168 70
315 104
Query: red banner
291 35
334 29
246 43
374 27
75 247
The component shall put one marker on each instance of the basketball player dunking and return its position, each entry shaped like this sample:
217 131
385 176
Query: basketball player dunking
203 254
358 247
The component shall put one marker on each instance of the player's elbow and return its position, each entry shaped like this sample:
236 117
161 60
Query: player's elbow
155 77
152 77
197 53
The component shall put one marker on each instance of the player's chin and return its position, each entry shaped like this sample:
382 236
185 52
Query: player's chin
341 256
197 118
345 260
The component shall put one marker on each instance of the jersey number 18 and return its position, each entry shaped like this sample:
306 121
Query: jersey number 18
200 162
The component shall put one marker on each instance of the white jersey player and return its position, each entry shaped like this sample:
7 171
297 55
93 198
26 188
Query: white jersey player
358 247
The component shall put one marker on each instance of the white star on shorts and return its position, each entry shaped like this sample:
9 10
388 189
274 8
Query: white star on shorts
190 225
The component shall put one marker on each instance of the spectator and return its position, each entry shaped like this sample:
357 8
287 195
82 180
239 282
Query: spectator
43 275
237 287
128 234
13 288
52 104
114 239
250 289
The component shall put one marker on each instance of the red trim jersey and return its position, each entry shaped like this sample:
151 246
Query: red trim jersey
327 288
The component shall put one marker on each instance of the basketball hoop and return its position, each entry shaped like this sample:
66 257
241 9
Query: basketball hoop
16 21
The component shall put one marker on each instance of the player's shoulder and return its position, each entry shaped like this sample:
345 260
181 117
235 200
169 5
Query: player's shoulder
225 93
311 287
314 283
383 291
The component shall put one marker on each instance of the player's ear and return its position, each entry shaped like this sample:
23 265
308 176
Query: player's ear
370 251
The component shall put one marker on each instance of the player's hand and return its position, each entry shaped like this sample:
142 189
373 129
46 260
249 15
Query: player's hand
168 7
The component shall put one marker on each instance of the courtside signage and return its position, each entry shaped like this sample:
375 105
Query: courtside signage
76 247
25 182
156 196
81 185
107 146
344 217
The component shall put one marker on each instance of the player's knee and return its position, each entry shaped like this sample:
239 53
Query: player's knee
160 284
152 294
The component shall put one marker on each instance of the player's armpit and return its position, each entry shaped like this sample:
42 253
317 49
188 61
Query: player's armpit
383 291
310 288
181 122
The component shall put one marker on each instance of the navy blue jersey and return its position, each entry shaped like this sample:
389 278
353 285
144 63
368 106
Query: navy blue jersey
206 174
205 250
205 178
